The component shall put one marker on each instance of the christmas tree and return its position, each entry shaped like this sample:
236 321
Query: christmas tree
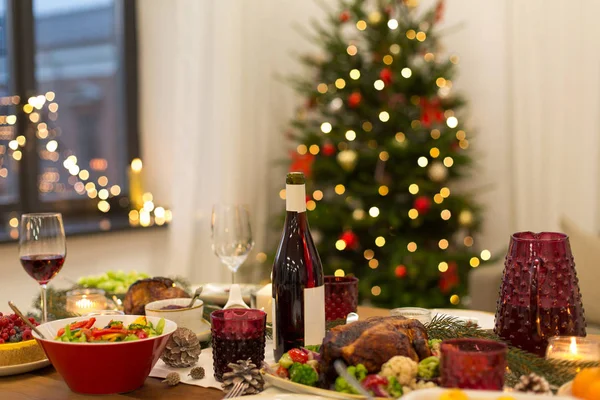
381 141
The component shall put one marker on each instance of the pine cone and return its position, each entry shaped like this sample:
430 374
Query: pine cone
533 383
182 349
197 373
172 378
243 371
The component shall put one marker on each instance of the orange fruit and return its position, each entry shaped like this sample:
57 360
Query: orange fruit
585 381
593 392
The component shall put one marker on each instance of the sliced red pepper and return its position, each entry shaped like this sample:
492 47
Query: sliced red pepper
87 333
60 332
90 323
101 332
80 324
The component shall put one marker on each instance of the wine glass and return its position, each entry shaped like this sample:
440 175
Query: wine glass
42 249
231 235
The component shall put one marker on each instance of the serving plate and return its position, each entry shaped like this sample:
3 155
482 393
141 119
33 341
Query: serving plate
294 387
484 319
22 368
565 390
218 293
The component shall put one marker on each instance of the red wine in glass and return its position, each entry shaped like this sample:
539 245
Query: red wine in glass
43 267
42 249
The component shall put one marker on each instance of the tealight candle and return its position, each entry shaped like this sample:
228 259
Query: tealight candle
84 301
264 300
573 348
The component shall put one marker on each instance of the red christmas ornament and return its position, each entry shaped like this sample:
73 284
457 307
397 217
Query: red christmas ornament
350 239
328 149
345 16
354 99
431 111
301 163
422 204
386 76
311 103
449 278
400 271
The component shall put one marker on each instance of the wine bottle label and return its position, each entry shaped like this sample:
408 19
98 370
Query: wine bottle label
274 324
295 196
314 315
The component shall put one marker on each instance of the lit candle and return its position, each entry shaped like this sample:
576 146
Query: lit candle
264 300
84 301
136 184
573 349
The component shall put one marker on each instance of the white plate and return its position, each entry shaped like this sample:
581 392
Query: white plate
204 335
565 390
218 293
484 319
22 368
434 394
286 384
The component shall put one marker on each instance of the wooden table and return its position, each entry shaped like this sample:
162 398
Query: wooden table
47 384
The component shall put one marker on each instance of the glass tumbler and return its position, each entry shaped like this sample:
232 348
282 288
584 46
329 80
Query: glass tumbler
237 334
473 364
341 296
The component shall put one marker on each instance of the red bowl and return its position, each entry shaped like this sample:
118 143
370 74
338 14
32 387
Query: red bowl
103 368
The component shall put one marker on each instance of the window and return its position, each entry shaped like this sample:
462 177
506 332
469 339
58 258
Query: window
68 110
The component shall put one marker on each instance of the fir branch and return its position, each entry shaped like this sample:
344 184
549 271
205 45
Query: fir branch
556 372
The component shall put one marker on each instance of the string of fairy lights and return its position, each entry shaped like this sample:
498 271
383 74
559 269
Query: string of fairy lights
143 212
437 168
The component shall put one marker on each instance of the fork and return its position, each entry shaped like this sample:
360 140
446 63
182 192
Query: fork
236 390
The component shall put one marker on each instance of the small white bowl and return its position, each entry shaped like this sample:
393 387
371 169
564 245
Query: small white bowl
191 318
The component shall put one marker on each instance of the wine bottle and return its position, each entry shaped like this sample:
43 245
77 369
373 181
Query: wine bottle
298 284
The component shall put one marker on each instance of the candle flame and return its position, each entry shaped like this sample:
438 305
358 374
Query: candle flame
573 346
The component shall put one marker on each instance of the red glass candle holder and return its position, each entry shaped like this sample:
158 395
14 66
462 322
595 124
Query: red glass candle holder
237 334
341 296
539 297
473 364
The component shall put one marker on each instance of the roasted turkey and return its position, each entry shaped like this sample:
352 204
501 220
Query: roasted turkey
373 342
148 290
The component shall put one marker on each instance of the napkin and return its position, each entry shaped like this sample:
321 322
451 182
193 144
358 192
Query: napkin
161 370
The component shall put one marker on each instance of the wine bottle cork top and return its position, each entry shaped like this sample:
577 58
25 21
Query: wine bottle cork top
295 178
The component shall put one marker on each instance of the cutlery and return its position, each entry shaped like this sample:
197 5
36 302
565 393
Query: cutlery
20 314
342 371
195 296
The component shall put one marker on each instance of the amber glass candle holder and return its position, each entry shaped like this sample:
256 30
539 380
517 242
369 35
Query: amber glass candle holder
573 348
473 364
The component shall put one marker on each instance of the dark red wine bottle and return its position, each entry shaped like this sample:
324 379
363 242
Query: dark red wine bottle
298 283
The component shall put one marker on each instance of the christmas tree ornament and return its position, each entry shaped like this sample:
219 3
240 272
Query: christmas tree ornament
354 99
345 16
351 240
439 11
375 17
465 218
347 159
533 383
336 104
400 271
328 149
437 172
172 379
431 111
302 163
422 204
182 349
247 373
386 76
197 373
449 278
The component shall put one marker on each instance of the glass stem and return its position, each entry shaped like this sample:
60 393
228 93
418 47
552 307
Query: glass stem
232 278
44 302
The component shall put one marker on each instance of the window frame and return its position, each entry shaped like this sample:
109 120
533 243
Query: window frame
21 50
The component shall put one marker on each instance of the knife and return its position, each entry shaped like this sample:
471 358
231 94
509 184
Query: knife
342 371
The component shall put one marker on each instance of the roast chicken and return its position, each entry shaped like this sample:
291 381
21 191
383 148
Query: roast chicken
373 342
148 290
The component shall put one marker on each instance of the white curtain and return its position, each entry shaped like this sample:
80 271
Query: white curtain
214 115
555 107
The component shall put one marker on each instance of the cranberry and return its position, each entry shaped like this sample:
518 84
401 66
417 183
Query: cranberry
5 336
1 314
12 332
1 340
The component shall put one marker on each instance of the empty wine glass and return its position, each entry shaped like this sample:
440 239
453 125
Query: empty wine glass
42 249
231 235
